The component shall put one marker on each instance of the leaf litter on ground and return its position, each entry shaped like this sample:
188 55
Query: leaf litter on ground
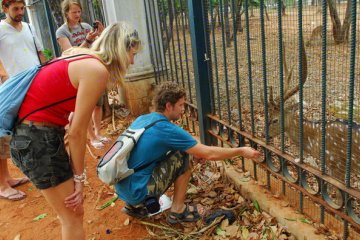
251 221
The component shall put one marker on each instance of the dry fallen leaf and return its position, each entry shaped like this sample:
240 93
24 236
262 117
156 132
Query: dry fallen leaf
212 194
232 230
17 237
245 233
224 223
126 222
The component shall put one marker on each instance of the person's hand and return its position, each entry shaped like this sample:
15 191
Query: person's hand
248 152
3 78
70 118
76 198
91 36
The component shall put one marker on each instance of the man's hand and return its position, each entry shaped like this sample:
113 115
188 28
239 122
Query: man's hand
3 78
248 152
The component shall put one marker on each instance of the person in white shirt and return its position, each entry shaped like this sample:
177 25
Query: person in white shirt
19 50
19 47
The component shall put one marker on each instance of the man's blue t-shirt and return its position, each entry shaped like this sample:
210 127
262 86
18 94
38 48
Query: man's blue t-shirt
152 147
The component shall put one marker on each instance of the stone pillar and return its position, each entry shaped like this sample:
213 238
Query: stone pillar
140 78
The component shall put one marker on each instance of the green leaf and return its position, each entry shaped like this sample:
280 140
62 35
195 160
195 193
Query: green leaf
257 206
108 203
41 216
290 219
220 232
305 220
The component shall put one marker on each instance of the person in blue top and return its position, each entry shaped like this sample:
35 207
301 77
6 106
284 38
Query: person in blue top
165 149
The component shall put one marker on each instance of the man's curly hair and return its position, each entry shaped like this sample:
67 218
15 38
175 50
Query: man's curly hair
167 92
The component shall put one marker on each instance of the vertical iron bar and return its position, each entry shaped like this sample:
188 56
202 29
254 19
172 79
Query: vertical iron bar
213 24
209 60
281 79
351 106
163 55
263 51
167 40
158 42
301 105
225 63
172 40
250 77
186 63
147 14
52 28
153 45
179 49
323 103
233 6
248 46
201 71
186 54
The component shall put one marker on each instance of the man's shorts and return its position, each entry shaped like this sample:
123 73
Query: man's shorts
40 154
4 147
174 165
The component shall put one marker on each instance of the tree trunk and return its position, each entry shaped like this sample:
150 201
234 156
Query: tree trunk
266 13
238 13
340 31
218 14
283 8
227 23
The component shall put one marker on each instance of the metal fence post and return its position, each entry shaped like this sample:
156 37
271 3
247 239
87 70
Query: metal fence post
201 66
52 29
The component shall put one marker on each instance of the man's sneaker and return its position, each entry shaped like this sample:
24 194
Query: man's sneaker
137 212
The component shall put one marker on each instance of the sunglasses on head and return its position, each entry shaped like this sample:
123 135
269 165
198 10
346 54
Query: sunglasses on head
129 37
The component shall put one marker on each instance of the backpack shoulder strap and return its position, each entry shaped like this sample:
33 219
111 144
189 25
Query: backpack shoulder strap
153 123
45 107
59 59
147 127
37 51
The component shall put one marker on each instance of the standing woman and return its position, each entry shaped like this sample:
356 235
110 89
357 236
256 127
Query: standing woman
74 33
37 147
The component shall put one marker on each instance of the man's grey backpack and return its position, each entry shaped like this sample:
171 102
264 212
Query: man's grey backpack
113 166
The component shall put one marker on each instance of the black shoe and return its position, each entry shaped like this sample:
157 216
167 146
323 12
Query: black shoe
137 212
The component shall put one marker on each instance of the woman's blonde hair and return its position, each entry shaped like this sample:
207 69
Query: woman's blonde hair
111 48
65 8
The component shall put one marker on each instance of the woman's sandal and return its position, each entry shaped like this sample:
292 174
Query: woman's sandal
97 144
185 216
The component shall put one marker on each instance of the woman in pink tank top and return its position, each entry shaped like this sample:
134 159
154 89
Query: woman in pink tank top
37 147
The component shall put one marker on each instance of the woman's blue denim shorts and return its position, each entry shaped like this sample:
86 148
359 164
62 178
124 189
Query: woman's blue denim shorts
39 152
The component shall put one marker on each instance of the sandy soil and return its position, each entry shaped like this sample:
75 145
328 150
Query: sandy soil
16 217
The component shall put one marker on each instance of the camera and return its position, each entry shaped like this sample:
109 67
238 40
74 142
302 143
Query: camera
95 25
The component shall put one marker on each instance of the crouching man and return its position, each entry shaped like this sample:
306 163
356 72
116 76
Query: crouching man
162 157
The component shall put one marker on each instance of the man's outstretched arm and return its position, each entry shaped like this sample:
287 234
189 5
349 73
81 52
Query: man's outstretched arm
202 151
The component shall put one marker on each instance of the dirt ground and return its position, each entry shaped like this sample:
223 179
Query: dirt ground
17 217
